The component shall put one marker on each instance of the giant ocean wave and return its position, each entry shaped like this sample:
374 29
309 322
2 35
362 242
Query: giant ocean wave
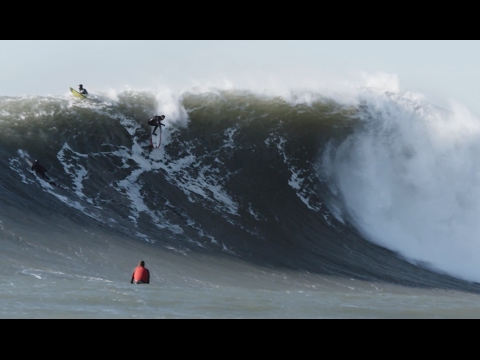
377 187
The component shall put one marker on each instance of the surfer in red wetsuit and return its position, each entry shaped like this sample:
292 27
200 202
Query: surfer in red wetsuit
140 275
156 121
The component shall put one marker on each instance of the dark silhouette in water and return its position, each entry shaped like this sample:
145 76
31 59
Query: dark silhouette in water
40 170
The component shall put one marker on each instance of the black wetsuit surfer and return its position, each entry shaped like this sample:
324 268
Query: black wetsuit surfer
82 90
40 170
156 121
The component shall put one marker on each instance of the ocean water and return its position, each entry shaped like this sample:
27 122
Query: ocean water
299 205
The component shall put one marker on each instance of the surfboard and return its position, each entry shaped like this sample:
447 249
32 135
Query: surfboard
77 94
156 140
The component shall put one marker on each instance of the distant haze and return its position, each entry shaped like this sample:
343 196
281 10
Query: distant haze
442 70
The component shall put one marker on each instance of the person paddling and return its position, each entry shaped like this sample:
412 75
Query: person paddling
140 275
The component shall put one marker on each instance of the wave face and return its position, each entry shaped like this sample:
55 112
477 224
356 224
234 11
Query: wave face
379 188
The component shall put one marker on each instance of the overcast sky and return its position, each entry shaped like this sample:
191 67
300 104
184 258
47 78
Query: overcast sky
446 69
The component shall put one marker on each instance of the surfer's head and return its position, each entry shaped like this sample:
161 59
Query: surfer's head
80 86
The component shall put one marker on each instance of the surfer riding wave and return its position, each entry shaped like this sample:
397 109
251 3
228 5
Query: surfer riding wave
156 121
40 170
